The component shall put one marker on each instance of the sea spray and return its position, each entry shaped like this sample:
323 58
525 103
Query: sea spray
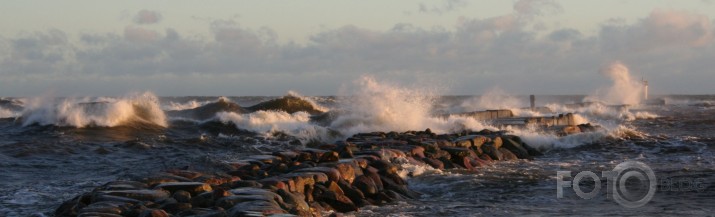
269 122
624 90
102 112
177 106
496 98
6 113
372 105
312 102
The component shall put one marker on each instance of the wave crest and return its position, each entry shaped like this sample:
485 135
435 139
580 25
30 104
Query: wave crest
133 109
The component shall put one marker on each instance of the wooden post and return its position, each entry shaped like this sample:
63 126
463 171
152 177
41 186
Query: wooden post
533 102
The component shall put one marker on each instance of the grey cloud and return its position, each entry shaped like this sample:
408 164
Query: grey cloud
565 35
38 53
537 7
444 6
147 17
492 51
662 29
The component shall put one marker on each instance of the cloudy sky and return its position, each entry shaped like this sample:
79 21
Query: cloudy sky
314 47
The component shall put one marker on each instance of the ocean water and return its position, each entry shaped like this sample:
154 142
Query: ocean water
52 149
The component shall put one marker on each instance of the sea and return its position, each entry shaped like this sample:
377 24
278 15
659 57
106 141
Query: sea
54 148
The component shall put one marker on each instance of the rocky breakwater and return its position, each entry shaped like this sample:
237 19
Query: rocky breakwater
342 177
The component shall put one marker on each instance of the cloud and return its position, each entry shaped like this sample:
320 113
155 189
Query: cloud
139 34
537 7
445 6
661 30
147 17
475 54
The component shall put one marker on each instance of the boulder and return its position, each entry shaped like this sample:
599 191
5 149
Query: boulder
194 188
507 155
142 195
492 152
516 148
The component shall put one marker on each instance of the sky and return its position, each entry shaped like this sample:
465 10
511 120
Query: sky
316 47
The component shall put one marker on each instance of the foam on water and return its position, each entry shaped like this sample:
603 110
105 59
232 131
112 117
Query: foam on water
373 105
6 113
175 106
102 112
269 122
381 106
312 102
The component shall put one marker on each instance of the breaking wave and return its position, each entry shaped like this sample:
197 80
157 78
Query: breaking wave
133 109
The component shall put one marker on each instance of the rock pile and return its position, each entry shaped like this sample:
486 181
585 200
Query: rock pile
339 177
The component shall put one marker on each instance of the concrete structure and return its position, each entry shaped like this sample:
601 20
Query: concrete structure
505 117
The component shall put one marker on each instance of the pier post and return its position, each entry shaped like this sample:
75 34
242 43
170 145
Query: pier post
532 98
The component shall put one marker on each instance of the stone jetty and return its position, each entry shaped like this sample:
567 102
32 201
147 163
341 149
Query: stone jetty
341 177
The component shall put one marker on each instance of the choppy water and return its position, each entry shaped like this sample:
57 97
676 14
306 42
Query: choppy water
53 149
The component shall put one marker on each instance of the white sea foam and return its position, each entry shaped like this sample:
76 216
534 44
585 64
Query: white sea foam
623 90
268 122
312 102
6 113
370 105
175 106
104 112
496 98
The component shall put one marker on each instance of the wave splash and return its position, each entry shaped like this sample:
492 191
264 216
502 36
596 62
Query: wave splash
140 108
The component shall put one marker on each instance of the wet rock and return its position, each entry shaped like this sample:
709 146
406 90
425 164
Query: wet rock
182 196
275 183
496 142
290 104
437 164
336 199
255 208
463 143
286 155
143 195
122 185
508 155
366 185
438 154
204 212
245 183
530 150
447 162
459 152
516 148
492 152
176 207
332 173
186 173
372 173
384 167
230 201
391 183
100 198
164 178
154 213
304 182
208 199
194 188
348 170
106 207
95 214
296 200
329 156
